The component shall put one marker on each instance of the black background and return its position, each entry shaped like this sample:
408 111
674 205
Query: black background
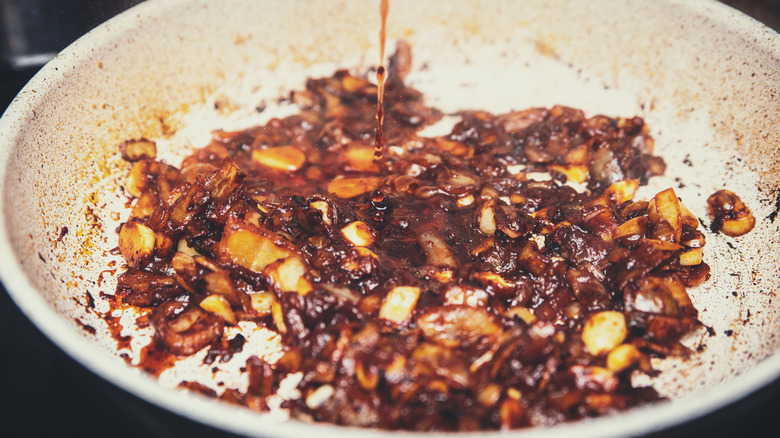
44 393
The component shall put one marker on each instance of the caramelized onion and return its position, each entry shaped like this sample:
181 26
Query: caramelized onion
184 329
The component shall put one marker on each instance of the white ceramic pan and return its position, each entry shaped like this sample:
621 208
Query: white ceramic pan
705 78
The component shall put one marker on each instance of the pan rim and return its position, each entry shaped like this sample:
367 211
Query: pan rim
212 412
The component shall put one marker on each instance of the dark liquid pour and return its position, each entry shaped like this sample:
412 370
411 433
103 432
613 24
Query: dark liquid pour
380 79
380 113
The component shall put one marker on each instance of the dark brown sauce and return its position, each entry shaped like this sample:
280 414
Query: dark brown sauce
508 269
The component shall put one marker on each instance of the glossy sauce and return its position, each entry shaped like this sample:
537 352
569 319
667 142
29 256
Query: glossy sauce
506 269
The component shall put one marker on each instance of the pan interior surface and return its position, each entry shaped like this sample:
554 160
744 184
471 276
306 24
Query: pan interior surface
704 78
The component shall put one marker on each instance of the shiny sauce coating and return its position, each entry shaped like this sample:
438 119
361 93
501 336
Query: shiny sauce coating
500 276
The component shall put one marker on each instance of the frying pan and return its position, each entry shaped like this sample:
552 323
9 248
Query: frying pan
705 78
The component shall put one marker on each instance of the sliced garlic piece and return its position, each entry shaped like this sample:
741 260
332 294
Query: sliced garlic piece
286 158
136 243
358 233
399 304
604 331
218 305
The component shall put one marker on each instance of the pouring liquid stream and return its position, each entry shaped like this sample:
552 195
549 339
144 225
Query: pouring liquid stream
380 79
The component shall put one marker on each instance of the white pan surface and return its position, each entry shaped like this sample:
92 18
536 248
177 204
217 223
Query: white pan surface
705 78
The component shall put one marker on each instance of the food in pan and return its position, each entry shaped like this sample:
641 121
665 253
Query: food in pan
729 214
500 276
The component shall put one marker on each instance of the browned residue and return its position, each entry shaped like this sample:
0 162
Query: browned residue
241 39
113 323
63 232
103 274
545 48
92 229
154 361
87 328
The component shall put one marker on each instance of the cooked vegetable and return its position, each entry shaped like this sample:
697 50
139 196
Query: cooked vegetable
134 150
351 187
399 304
358 233
289 158
604 331
136 243
185 329
729 214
